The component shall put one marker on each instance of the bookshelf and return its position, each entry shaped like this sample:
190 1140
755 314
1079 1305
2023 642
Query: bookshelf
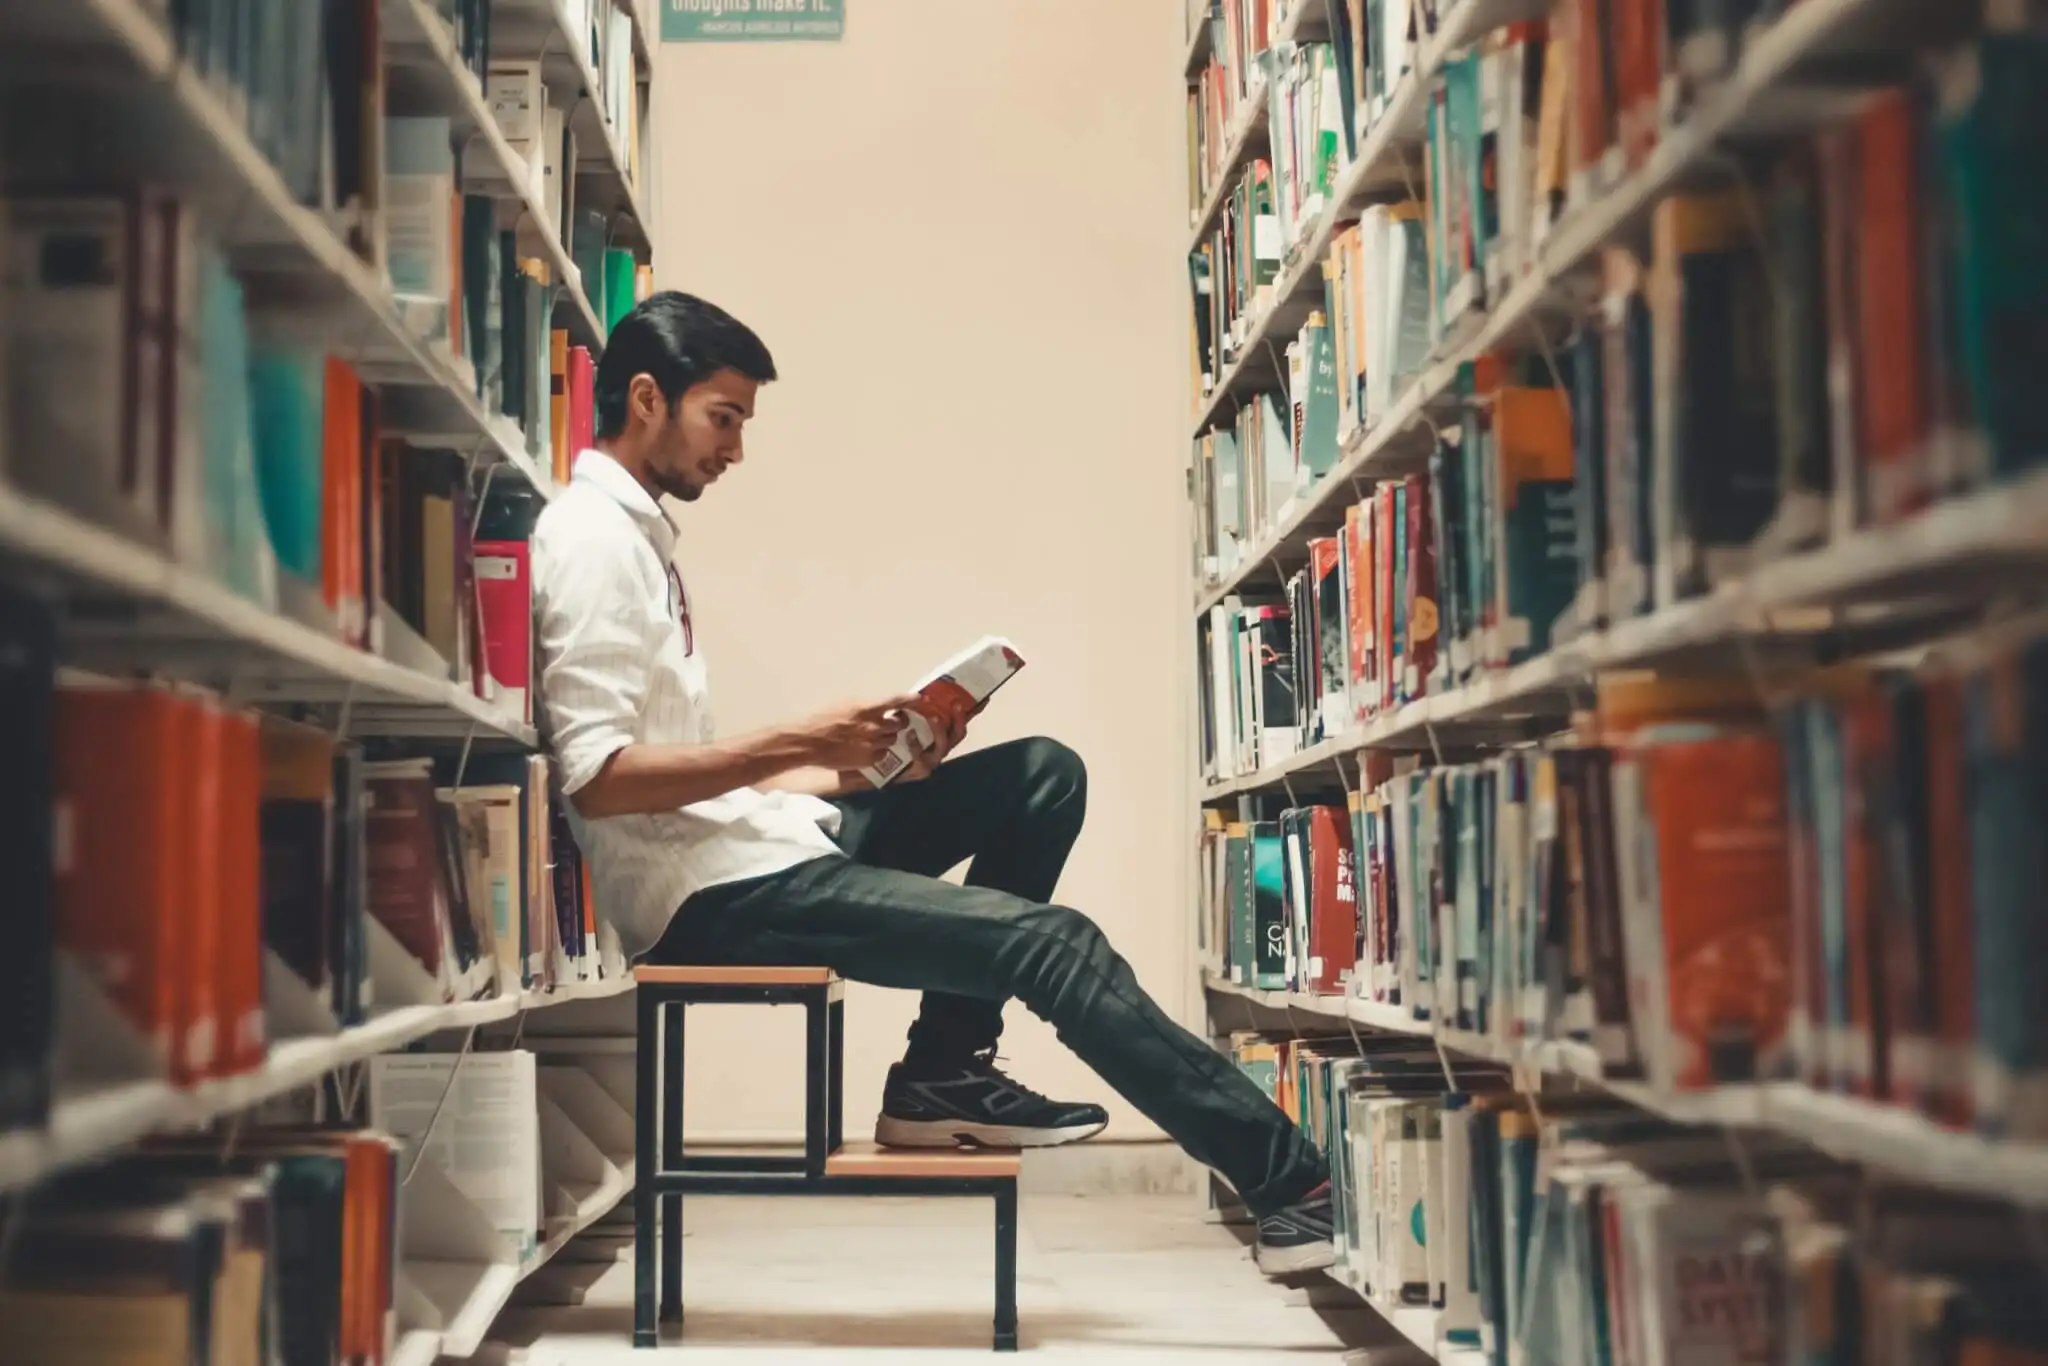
288 567
1517 925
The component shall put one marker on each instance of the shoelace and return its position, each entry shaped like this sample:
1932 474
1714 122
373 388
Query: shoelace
987 1061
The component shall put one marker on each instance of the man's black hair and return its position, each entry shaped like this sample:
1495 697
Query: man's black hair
679 340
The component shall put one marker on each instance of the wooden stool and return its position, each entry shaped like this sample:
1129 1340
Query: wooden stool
664 1173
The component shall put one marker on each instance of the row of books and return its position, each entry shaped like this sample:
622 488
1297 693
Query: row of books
1240 30
1343 370
285 1251
225 878
196 423
1697 892
605 30
1701 422
1573 1229
306 1240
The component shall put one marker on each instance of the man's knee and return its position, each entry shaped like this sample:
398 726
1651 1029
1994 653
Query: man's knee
1053 773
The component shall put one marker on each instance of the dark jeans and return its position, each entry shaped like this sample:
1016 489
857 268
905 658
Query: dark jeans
880 915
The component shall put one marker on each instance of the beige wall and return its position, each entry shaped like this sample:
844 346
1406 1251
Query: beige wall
961 231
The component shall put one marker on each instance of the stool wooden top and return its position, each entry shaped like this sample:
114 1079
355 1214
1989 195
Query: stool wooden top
735 977
868 1159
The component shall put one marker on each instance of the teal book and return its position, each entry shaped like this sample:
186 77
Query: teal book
2005 772
238 546
1319 409
286 403
1996 145
1269 907
1461 78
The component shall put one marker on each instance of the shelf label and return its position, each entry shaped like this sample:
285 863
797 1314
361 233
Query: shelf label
752 21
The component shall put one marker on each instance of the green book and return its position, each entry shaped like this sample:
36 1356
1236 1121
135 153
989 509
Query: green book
618 286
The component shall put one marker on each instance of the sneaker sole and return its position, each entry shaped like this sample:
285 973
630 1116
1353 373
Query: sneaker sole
1288 1261
952 1133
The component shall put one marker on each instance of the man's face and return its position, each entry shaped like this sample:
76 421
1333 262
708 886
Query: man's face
689 448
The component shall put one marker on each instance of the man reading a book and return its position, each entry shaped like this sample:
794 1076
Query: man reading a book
770 848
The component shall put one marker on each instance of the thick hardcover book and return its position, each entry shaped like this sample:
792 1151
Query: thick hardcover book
408 891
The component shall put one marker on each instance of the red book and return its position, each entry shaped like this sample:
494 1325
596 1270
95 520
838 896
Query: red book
504 594
1895 404
582 404
1333 900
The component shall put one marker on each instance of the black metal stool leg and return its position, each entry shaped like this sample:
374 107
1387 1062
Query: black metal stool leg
835 1017
672 1161
1006 1267
816 1081
646 1096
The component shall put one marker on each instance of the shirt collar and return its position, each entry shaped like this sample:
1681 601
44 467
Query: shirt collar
609 477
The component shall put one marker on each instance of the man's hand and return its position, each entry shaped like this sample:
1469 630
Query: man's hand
851 738
947 733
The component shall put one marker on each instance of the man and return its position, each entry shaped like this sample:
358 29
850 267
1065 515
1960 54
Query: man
769 848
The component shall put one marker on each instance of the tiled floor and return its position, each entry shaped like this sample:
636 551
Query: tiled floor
1115 1279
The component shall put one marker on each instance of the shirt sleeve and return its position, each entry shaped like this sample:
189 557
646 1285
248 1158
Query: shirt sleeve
596 656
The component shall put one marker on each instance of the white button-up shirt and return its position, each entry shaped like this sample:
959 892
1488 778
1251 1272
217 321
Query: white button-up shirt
616 669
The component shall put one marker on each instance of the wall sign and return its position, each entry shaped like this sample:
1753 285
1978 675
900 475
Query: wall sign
753 21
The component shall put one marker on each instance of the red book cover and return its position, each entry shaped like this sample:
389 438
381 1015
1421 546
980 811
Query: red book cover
582 404
504 591
1333 900
116 787
341 499
195 812
407 893
1953 973
1867 758
1718 1006
1383 588
1895 402
245 1042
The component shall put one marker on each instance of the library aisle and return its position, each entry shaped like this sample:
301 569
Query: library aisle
1111 1279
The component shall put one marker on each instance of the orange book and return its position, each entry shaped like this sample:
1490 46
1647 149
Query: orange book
1554 122
193 803
1358 601
1895 413
341 505
558 402
1706 903
245 1042
116 890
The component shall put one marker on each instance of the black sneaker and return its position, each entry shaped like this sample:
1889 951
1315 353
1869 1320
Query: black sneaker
975 1103
1298 1238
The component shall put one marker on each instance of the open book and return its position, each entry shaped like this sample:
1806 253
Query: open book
954 690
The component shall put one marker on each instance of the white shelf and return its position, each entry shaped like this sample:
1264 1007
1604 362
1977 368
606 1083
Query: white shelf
1883 1137
94 1124
199 629
1372 1015
440 78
